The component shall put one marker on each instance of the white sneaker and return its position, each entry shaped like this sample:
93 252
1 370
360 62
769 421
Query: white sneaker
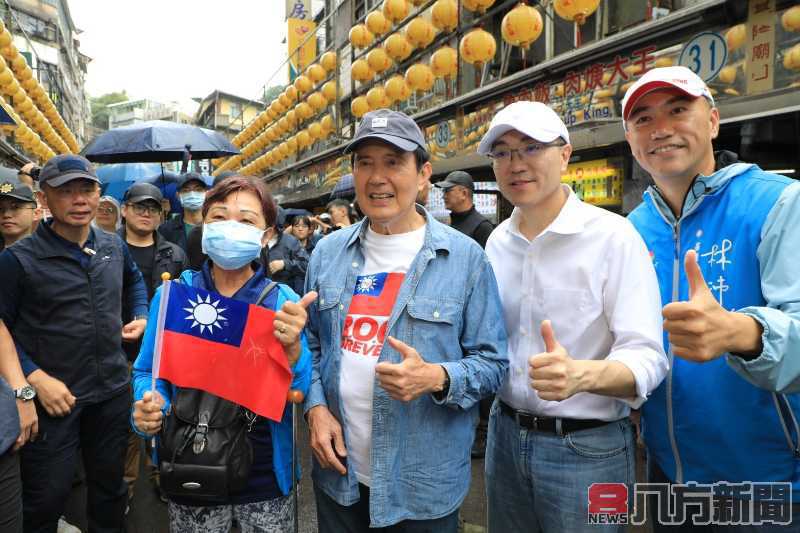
66 527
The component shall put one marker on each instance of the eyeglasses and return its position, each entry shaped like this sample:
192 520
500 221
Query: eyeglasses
15 208
141 209
106 210
527 152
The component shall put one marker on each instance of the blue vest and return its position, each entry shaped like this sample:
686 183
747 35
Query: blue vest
705 423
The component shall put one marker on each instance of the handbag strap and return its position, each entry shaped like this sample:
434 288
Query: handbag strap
266 291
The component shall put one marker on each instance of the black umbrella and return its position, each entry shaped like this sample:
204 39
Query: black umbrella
157 141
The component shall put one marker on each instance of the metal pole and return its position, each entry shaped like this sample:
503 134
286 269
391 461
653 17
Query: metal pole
294 466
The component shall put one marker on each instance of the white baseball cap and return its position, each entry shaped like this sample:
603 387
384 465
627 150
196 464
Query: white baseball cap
680 78
533 119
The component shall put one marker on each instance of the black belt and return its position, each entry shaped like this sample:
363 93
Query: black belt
548 424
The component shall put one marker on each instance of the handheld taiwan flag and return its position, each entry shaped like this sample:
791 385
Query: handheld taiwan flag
223 346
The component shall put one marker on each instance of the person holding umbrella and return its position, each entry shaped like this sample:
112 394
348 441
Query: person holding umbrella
192 192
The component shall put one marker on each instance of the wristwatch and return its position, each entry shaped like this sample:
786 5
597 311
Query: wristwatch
26 393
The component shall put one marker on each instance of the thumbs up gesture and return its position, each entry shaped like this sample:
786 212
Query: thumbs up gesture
147 414
554 374
289 323
411 378
699 329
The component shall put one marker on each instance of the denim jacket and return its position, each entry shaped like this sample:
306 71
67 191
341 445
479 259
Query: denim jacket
448 309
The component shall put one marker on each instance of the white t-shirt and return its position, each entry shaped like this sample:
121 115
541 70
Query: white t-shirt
387 258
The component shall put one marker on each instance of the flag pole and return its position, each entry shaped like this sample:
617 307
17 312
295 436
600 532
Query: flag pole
162 311
295 397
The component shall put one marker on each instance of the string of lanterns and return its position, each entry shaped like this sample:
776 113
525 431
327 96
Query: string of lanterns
41 131
278 125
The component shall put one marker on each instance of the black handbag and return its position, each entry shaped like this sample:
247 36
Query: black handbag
204 450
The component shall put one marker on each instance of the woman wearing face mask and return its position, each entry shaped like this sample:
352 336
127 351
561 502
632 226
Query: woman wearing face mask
236 215
192 193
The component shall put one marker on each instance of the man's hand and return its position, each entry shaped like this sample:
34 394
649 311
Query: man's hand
327 439
147 415
554 374
289 323
52 393
412 378
28 423
276 266
701 330
133 330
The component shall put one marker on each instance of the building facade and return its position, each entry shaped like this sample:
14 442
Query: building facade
143 109
748 52
227 113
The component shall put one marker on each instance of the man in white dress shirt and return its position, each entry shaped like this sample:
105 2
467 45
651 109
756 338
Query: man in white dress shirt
583 314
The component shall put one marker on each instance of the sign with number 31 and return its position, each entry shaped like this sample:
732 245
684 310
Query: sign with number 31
705 55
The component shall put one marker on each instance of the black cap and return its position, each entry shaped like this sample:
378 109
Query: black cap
139 192
192 176
65 168
394 127
13 188
457 177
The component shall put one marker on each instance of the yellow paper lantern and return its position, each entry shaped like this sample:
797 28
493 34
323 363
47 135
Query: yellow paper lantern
284 149
5 77
420 32
272 134
378 60
280 109
304 139
377 23
317 101
360 36
477 5
328 61
360 71
395 10
359 106
736 36
316 73
18 63
329 91
575 10
664 62
284 100
477 47
291 144
283 125
9 52
292 93
5 38
377 99
727 74
521 26
327 123
444 15
790 20
419 77
315 130
303 84
397 47
444 62
397 90
303 111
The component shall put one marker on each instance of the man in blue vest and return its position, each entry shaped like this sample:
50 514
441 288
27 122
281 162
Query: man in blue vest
723 237
64 291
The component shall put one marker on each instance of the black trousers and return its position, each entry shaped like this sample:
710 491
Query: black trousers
10 493
99 433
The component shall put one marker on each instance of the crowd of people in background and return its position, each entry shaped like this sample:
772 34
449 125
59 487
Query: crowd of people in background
419 345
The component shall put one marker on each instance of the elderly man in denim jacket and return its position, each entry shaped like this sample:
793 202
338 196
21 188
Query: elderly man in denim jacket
406 336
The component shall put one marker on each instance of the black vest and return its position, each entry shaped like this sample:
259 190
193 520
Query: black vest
69 319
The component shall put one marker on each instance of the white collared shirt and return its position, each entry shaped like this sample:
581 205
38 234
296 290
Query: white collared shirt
590 273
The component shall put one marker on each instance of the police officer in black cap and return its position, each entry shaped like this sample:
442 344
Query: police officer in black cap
458 188
18 211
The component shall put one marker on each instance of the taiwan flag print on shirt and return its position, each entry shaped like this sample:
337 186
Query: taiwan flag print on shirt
368 317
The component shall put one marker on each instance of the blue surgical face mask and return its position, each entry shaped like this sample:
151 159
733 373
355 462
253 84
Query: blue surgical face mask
192 200
231 244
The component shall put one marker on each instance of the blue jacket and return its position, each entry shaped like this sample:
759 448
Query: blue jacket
281 433
706 422
448 308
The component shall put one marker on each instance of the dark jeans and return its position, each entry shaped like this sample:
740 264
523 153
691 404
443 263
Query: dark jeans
335 518
656 475
99 432
10 493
